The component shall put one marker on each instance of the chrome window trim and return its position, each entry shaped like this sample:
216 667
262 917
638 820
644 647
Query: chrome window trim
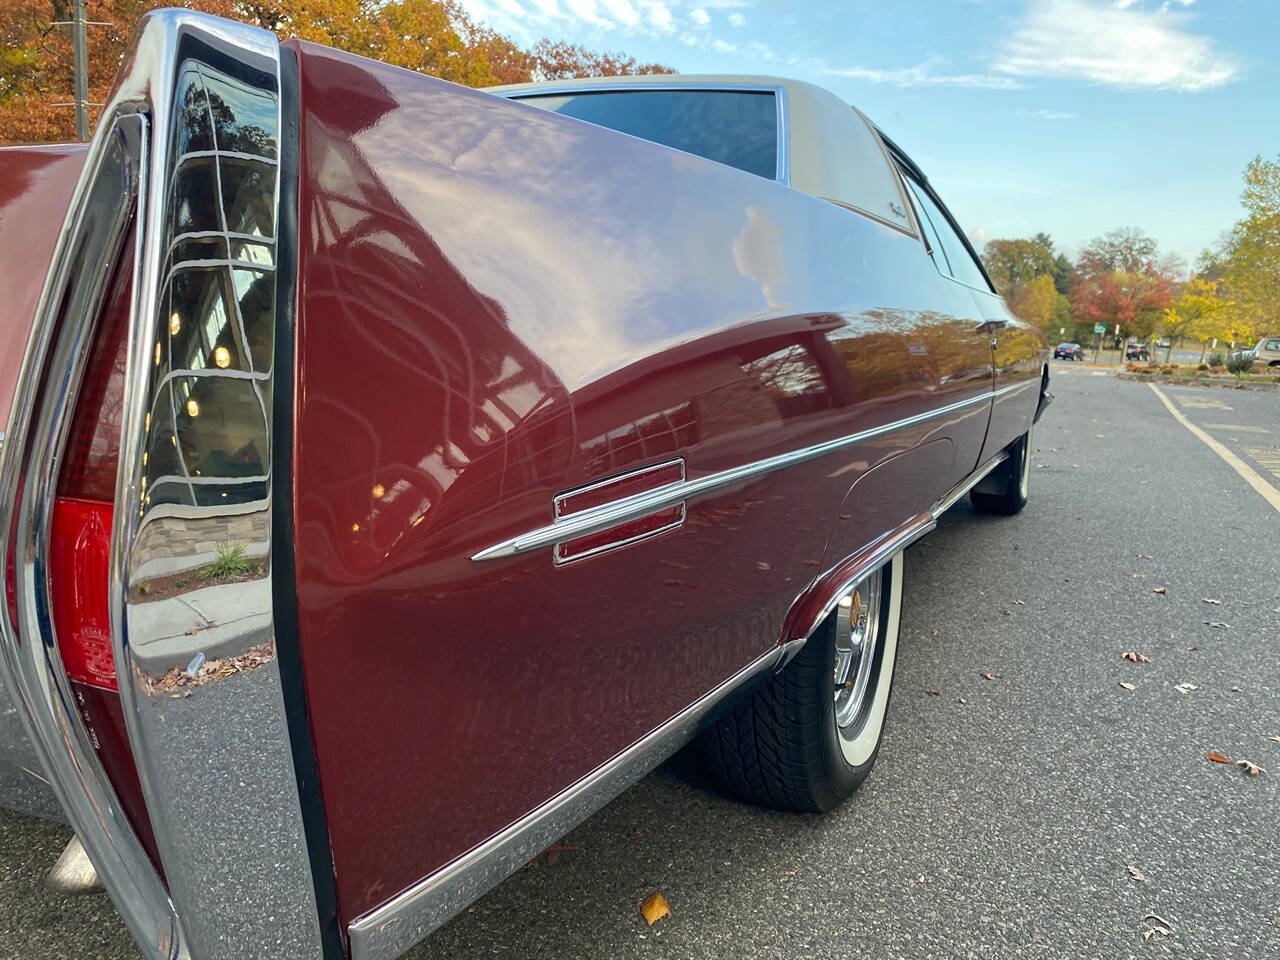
607 515
391 929
270 909
779 91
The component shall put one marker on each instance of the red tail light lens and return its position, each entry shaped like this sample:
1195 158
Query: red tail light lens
79 558
80 551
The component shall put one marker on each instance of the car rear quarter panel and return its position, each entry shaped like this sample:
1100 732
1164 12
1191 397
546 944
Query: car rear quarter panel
496 305
35 189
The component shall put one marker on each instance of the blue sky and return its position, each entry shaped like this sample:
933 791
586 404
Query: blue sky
1069 116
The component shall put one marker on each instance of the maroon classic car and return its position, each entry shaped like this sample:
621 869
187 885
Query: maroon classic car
395 472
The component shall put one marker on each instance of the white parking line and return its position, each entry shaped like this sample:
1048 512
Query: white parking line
1269 457
1251 476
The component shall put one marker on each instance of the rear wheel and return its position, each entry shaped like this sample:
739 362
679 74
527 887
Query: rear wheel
807 737
1005 489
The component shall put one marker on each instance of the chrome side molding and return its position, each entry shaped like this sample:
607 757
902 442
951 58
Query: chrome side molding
604 516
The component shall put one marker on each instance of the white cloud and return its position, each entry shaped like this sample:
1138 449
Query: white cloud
1117 44
699 16
658 15
621 12
978 237
1047 114
926 74
736 19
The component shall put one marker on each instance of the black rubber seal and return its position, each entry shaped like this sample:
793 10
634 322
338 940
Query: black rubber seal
284 591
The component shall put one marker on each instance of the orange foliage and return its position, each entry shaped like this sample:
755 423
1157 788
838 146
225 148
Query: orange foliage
431 36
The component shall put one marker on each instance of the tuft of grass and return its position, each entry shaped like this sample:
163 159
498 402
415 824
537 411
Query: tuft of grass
231 562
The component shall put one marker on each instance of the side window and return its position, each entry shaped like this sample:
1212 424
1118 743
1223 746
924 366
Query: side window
959 261
1273 344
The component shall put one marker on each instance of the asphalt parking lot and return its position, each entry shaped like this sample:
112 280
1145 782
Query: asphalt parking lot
1006 817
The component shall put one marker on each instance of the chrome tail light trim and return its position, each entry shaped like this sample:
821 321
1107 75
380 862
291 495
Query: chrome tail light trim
107 193
192 134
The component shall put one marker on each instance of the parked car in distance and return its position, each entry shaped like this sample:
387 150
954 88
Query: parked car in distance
1068 351
1136 350
1266 352
395 472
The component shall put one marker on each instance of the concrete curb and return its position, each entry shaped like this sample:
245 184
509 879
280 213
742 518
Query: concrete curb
1199 382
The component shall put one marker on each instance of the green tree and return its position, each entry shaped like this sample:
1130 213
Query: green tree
1014 263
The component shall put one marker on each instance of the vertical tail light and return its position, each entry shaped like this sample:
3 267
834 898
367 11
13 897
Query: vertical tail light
80 550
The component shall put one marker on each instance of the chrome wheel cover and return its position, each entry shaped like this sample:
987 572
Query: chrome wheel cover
858 636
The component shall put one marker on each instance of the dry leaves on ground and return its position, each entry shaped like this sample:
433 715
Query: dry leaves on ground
1136 874
1129 686
1133 656
933 693
1216 603
1156 924
1185 687
991 676
1217 758
1159 590
1250 768
654 908
201 671
1276 739
1217 625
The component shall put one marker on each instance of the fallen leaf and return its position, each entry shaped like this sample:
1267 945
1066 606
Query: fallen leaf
1136 874
1158 590
1020 603
654 908
1217 625
1216 603
1133 656
1186 687
1217 758
1276 739
1129 686
991 676
920 879
933 693
1251 769
1158 919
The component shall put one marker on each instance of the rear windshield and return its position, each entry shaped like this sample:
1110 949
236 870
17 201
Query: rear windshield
737 127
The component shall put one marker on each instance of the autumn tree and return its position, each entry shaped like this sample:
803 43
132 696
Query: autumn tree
1120 280
559 60
1251 256
1026 273
436 37
1015 263
1197 313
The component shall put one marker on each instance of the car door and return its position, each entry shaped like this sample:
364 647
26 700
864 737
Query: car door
1016 348
951 256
